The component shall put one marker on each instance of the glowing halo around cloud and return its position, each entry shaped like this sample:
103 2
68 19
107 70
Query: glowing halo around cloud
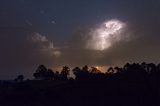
104 36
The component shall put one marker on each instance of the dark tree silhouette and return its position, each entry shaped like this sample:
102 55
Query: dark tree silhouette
85 68
50 74
42 73
94 70
57 75
81 74
110 70
77 72
65 72
118 70
19 78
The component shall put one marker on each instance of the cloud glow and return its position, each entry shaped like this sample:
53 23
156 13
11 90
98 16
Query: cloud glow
45 44
103 37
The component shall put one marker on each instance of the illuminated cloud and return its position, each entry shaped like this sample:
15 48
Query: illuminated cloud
45 44
37 37
104 36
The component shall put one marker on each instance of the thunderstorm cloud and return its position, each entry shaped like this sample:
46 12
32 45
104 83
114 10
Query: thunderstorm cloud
86 33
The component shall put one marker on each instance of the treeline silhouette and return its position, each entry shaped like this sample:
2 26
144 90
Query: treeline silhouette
131 85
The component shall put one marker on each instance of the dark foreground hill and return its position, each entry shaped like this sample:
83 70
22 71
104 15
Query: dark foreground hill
79 93
132 85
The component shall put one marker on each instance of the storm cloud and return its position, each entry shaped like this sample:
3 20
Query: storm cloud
25 45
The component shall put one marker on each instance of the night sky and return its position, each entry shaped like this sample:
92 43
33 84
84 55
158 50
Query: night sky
68 32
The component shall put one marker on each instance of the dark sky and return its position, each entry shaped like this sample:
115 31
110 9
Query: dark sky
55 33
